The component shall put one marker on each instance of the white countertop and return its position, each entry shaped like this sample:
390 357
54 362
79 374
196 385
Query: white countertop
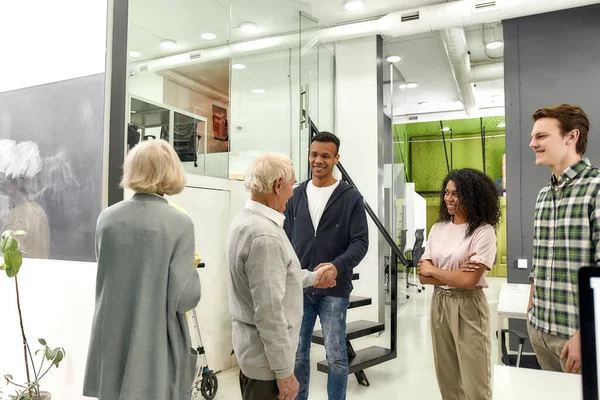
513 299
510 383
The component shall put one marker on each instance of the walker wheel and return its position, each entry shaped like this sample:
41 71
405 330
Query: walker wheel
209 386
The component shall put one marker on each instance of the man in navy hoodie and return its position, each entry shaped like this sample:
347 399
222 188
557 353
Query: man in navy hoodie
327 224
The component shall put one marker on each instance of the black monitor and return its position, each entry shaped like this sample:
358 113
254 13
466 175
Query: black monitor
589 317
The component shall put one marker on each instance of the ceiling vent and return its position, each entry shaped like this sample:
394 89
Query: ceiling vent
485 5
413 118
195 55
144 68
410 16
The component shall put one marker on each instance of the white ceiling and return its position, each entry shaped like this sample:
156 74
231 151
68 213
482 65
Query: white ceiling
423 61
186 20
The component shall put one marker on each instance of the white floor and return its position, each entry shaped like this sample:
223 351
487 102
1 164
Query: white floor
411 375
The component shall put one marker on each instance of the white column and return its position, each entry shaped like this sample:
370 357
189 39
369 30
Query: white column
356 126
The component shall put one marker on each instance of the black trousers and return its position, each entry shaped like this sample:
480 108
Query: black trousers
253 389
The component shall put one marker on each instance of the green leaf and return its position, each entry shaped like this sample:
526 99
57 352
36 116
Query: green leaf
8 258
11 272
18 261
11 245
4 240
48 354
8 376
38 351
59 357
2 267
42 341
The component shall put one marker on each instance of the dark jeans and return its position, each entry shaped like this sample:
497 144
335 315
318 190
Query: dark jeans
253 389
332 315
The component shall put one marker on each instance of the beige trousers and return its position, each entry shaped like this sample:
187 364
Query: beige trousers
547 349
461 343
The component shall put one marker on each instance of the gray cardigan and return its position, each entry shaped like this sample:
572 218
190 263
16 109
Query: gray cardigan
265 293
140 344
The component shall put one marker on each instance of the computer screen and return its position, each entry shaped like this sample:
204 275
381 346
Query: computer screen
589 318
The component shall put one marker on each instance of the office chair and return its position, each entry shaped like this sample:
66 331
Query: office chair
415 256
517 360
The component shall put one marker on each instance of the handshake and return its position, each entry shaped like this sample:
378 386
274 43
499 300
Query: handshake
326 274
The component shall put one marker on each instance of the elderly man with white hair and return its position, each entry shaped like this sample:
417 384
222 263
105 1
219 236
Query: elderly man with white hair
266 285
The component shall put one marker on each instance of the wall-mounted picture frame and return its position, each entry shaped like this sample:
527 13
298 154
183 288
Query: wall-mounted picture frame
220 128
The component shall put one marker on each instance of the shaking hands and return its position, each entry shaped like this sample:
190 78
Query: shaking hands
326 274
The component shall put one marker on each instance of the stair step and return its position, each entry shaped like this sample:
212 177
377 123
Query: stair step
354 330
364 359
355 277
357 301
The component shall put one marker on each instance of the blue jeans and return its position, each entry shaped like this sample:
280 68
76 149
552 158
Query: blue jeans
332 314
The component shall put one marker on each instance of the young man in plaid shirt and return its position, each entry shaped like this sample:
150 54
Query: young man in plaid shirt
566 235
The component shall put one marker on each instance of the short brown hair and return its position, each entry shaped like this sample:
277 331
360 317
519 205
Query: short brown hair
153 167
569 117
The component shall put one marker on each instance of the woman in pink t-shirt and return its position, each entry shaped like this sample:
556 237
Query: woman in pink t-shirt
461 248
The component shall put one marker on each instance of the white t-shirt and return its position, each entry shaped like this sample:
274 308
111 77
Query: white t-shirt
317 200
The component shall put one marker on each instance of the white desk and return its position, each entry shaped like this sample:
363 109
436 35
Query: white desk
510 383
513 299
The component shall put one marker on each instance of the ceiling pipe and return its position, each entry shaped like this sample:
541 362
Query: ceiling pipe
455 43
487 72
407 22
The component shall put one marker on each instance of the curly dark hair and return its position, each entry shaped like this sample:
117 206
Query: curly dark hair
479 196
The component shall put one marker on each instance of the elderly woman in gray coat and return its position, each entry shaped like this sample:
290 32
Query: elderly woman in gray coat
140 344
266 285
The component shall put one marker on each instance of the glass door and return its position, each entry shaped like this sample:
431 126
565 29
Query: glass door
316 73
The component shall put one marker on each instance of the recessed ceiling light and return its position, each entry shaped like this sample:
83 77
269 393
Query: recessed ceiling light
168 44
393 59
238 66
258 91
494 44
411 85
446 129
248 27
133 53
501 125
354 5
208 36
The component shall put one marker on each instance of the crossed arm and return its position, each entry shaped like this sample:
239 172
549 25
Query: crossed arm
466 277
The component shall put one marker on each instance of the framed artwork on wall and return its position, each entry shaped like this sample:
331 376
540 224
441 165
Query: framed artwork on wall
220 130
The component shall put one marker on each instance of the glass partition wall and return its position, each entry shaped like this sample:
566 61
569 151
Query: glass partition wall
238 84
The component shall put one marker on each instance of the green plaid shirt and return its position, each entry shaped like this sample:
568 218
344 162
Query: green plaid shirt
566 233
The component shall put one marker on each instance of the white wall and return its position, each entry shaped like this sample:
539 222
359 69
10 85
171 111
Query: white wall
57 301
57 40
149 86
416 215
356 126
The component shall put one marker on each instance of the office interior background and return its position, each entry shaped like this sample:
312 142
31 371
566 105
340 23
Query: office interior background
412 89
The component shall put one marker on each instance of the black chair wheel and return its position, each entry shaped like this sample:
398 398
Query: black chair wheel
209 386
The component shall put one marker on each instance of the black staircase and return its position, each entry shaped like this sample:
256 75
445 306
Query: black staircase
359 360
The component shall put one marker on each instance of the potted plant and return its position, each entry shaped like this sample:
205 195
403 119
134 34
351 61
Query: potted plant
29 390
